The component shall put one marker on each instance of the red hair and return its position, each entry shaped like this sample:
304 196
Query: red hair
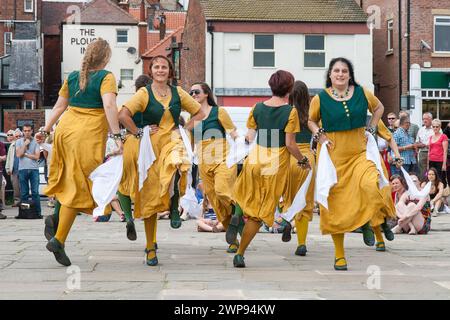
281 83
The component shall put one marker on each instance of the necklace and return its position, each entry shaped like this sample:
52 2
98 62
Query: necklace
338 96
161 94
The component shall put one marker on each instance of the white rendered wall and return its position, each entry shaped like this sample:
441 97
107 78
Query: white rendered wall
121 59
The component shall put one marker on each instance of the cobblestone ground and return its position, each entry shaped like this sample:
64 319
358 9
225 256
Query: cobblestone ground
195 265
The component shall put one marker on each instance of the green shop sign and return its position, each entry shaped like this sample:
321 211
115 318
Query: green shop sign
435 80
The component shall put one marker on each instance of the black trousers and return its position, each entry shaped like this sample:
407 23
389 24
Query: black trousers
442 174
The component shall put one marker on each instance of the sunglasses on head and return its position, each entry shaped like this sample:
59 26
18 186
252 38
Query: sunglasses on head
196 91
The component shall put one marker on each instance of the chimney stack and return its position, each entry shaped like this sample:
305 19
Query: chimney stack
162 26
124 5
142 30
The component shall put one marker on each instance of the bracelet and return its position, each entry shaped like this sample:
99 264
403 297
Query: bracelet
140 133
318 134
118 136
304 161
371 130
46 134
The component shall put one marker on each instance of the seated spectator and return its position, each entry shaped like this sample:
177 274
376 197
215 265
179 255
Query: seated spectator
208 222
436 192
414 215
398 186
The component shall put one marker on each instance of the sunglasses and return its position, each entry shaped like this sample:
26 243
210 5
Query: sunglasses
435 126
392 118
10 135
196 91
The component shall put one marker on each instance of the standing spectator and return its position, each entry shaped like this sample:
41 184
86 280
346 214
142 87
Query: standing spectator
28 152
406 146
437 151
2 179
10 167
413 128
422 140
391 117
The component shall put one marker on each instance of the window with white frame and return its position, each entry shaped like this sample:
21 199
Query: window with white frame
7 37
314 51
28 5
390 36
28 104
122 36
126 74
442 34
264 51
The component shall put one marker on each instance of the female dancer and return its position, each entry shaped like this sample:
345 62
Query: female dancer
160 105
218 179
257 190
342 108
299 98
89 95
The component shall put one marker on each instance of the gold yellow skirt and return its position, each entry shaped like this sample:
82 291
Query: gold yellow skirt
388 211
78 149
218 180
258 188
296 178
130 178
356 198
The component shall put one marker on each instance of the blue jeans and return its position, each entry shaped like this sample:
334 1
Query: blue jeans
29 177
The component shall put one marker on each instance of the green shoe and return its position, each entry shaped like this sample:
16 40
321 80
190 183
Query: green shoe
151 262
233 229
380 246
368 236
388 234
51 224
340 268
233 248
238 261
287 230
53 245
301 250
131 231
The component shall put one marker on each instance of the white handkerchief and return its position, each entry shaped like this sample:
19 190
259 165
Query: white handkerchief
105 183
146 156
412 189
299 202
326 176
373 155
187 143
239 149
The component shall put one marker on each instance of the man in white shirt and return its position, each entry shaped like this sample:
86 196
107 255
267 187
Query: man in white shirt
422 140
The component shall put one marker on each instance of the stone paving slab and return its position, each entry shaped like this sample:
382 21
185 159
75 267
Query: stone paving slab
195 265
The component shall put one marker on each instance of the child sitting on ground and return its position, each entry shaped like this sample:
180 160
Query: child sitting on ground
208 221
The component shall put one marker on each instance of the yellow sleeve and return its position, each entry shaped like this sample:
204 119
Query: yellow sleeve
251 123
293 125
225 120
373 101
138 102
108 84
383 131
314 109
187 102
64 91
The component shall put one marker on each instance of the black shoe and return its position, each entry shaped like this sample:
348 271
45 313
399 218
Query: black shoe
131 231
175 220
53 245
301 250
286 236
388 234
238 261
232 230
50 227
368 236
151 262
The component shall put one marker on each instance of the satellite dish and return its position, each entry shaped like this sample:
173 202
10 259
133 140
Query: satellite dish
131 50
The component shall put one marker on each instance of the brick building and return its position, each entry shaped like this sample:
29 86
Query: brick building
20 61
422 51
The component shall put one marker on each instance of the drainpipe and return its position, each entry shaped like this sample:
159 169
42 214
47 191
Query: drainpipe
400 53
408 52
210 29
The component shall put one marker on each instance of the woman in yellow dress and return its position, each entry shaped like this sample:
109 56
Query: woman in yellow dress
212 148
160 104
259 186
378 222
88 101
300 99
342 109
